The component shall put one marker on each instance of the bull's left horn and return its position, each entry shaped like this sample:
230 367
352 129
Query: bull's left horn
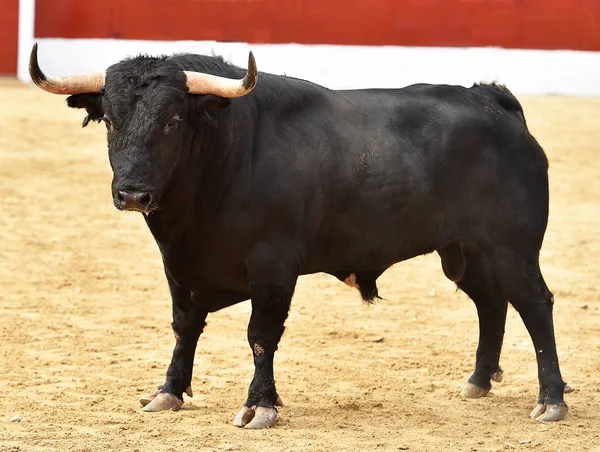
200 83
75 84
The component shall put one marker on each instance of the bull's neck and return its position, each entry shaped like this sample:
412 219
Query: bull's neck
212 172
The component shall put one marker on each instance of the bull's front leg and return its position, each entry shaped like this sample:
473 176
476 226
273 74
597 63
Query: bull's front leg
270 306
189 320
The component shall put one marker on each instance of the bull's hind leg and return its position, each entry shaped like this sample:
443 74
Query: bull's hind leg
521 281
480 284
188 322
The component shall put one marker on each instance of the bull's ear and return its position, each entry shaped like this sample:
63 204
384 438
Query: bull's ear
92 102
206 105
210 101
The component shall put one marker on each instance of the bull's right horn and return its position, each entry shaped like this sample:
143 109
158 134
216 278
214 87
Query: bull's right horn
201 83
75 84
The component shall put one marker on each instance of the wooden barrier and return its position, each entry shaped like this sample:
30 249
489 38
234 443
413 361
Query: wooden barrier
9 29
529 24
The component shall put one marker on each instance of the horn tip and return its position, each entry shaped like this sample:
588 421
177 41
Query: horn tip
35 72
33 54
252 74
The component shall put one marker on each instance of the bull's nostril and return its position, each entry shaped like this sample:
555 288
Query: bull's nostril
146 200
133 200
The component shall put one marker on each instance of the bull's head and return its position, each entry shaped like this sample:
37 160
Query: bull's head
146 107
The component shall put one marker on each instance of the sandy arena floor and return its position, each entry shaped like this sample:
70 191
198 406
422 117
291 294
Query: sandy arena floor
85 319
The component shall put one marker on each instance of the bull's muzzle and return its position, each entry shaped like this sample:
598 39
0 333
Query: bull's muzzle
139 201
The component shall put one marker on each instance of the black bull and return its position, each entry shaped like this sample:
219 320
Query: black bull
243 195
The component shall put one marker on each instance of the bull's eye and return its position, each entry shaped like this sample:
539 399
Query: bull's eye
172 124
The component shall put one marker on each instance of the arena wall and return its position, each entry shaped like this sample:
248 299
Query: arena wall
9 20
534 46
523 24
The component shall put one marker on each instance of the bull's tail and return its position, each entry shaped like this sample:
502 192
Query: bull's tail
504 97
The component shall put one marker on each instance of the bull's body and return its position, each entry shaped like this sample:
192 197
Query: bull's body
294 179
349 181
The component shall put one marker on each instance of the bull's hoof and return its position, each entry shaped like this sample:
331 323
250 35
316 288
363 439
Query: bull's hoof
163 401
149 398
498 376
244 416
256 417
472 391
264 417
539 409
549 413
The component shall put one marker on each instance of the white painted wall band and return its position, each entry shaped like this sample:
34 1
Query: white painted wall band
524 71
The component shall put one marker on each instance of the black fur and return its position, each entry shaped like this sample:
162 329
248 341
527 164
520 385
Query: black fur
504 97
92 104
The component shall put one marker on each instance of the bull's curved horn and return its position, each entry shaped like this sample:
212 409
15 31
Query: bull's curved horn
75 84
200 83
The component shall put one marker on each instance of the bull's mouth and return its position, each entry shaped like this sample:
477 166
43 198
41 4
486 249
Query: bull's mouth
146 212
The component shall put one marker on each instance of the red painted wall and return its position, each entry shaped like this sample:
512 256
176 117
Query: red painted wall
538 24
9 34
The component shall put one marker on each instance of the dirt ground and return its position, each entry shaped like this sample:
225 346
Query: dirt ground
85 319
